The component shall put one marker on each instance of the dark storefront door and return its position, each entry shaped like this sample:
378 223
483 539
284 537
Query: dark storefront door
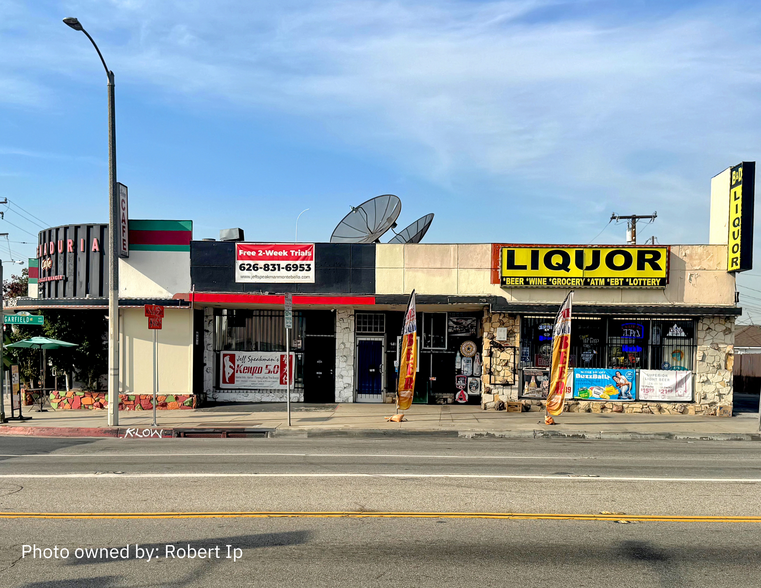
370 370
319 370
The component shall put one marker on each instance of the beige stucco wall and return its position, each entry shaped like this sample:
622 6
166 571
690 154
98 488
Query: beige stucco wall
154 274
697 276
175 352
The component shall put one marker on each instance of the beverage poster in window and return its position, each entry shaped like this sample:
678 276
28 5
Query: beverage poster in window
602 384
461 325
536 383
474 386
675 386
467 366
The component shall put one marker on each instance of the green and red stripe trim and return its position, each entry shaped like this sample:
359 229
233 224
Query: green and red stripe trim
160 235
34 270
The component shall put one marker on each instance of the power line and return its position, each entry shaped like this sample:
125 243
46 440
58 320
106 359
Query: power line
601 232
12 203
18 227
631 230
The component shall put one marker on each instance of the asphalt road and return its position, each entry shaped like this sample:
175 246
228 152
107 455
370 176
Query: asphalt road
371 476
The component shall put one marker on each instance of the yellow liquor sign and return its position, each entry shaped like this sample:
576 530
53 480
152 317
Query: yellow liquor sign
545 266
741 197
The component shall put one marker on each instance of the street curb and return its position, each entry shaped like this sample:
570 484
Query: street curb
305 433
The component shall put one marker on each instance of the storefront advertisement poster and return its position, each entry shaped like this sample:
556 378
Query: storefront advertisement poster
462 325
536 383
253 370
603 384
467 366
474 385
274 263
665 385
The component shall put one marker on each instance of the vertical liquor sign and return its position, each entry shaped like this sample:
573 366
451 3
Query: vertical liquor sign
741 205
123 221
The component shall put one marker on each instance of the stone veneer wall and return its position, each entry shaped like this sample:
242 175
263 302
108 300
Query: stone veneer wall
715 363
208 351
344 355
62 400
712 378
500 374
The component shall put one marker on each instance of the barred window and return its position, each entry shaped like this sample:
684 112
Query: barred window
370 323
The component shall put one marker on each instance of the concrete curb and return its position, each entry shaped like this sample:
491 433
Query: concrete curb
237 432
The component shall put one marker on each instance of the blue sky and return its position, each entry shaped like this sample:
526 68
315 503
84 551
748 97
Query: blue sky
516 121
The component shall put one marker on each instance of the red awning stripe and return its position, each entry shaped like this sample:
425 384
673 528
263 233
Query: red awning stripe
278 299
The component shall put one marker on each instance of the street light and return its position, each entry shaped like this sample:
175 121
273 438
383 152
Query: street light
296 239
113 253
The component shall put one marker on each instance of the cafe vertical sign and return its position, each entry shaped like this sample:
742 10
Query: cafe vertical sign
741 204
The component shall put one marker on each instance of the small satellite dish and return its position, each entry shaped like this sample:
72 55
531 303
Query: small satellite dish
415 232
368 221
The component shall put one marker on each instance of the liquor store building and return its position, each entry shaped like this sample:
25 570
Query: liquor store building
653 327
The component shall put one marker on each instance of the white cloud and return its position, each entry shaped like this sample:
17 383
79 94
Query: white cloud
583 115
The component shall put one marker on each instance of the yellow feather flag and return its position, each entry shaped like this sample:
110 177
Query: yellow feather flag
561 348
408 357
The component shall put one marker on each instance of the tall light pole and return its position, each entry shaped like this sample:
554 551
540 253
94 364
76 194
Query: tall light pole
296 236
113 252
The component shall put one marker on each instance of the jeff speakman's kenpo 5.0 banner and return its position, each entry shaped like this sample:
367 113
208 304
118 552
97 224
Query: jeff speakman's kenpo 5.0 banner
274 262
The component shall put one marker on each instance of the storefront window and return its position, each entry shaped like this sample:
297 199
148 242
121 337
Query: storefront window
255 330
673 345
612 343
627 343
434 330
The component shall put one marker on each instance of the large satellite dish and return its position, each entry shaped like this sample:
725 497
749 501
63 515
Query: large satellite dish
415 232
368 221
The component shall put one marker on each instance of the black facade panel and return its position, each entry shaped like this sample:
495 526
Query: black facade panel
333 255
363 256
339 269
73 261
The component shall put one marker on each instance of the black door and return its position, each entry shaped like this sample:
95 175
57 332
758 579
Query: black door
319 369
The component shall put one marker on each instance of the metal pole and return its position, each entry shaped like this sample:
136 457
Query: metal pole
2 370
113 247
155 372
288 373
113 265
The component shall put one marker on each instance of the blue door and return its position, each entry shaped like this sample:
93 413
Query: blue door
369 370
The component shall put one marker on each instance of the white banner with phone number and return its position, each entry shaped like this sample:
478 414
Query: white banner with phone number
274 262
253 370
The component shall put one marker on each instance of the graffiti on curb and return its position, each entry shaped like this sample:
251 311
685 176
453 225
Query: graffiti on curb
143 433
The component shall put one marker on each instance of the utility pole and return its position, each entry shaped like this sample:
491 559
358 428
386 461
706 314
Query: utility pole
631 224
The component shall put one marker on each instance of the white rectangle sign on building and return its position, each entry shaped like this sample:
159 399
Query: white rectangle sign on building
665 385
274 262
123 221
253 370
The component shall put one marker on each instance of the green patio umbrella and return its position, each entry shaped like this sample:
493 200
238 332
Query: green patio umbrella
42 343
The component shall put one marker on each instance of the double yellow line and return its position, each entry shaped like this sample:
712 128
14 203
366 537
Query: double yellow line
615 517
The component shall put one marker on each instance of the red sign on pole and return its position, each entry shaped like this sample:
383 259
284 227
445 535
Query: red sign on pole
154 310
154 322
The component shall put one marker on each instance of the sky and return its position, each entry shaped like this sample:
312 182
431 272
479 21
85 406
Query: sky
524 121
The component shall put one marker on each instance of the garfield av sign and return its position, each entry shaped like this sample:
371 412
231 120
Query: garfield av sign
584 267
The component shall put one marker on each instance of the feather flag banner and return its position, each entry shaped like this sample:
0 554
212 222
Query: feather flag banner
561 347
408 358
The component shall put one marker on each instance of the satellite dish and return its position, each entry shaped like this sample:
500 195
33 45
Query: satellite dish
368 221
415 232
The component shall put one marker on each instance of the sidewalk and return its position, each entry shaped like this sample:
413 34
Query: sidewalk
368 420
